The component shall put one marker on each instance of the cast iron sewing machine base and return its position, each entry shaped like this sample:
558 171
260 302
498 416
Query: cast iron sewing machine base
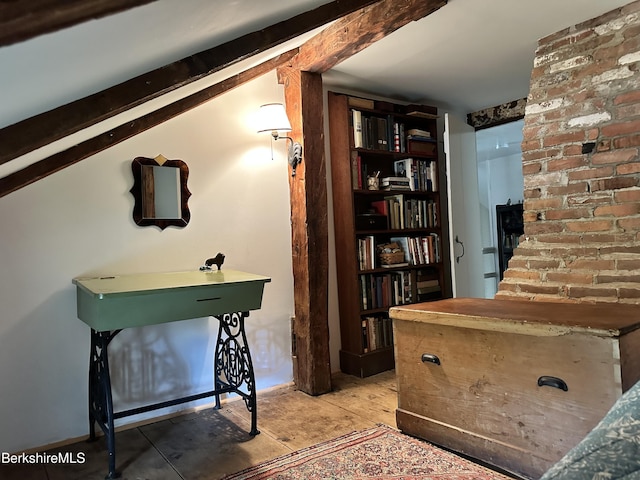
233 372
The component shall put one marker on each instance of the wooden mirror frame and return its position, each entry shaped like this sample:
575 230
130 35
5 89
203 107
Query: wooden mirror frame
137 192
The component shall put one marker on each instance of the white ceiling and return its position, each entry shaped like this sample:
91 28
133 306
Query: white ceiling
468 55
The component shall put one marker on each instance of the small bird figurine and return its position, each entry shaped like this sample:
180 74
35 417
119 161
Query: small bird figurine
217 260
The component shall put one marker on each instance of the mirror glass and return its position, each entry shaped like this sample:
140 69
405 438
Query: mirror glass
160 192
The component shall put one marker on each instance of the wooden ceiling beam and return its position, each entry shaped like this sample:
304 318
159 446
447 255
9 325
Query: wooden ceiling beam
21 21
54 163
40 130
356 31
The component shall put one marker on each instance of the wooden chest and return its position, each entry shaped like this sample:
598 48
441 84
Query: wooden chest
513 383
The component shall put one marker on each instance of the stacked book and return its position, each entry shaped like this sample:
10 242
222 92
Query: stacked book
395 183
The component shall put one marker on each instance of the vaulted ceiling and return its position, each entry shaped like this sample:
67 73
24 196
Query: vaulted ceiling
466 56
469 55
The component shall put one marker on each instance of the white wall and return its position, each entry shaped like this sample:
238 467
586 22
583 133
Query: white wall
78 222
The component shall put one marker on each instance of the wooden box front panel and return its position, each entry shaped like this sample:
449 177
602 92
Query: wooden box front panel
484 399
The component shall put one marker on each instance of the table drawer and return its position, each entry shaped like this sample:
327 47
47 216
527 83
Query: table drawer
158 306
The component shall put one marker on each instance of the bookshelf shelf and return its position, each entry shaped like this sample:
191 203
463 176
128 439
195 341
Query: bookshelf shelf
388 235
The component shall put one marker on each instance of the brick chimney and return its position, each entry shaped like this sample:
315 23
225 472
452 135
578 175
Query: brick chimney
580 156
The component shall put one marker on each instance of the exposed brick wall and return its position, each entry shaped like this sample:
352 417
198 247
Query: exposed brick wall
580 154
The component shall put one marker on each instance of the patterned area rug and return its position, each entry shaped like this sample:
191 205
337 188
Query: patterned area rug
378 453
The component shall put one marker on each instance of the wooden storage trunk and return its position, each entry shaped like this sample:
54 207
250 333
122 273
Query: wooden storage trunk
487 378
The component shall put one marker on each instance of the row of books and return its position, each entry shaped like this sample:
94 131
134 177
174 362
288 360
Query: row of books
377 332
406 212
416 175
422 173
367 253
385 290
420 250
376 132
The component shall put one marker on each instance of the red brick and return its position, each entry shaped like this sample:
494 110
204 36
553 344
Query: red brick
542 203
628 111
563 214
628 264
534 144
570 189
564 238
628 168
601 238
506 287
572 150
544 264
629 224
566 163
622 196
563 138
521 274
531 168
615 156
580 292
614 183
532 193
622 128
614 249
569 277
624 210
626 141
588 173
591 264
589 226
532 229
544 288
627 97
516 262
532 155
572 251
624 292
593 134
618 278
603 145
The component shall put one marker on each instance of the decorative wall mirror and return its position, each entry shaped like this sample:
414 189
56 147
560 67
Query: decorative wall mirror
160 192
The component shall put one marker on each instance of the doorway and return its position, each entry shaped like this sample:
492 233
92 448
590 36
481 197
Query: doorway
500 182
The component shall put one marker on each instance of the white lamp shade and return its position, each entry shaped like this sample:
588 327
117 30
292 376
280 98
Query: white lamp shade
273 117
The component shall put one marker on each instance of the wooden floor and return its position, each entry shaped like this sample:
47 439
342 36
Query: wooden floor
212 443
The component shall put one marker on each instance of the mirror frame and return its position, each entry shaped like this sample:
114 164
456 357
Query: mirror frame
136 191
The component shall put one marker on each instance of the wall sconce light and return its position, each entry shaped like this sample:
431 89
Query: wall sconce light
272 117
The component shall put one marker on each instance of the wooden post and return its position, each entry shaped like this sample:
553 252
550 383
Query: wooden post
309 231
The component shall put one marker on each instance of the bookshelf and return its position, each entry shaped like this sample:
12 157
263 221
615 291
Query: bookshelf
388 221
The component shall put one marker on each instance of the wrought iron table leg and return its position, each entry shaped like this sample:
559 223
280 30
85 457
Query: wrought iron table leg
100 399
233 366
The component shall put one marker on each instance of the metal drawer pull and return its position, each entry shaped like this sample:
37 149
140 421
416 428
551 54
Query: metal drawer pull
552 382
428 357
208 299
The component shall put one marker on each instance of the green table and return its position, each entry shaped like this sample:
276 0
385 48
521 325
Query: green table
112 303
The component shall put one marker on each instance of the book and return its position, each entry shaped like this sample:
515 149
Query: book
381 207
418 133
357 129
400 181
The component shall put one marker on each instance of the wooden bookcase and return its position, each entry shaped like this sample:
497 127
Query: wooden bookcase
366 219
